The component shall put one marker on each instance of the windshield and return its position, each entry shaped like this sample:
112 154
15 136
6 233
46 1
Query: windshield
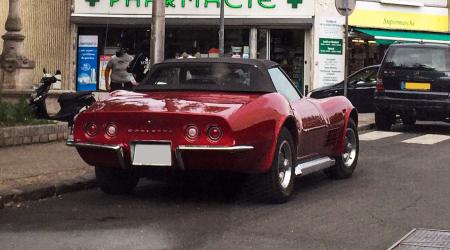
206 76
426 58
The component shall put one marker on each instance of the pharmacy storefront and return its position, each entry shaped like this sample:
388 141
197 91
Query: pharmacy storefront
377 24
268 29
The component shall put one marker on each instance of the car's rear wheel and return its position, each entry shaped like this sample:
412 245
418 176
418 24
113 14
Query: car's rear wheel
346 162
278 183
116 180
383 120
408 120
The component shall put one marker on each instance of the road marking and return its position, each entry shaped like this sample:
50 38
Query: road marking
428 139
375 135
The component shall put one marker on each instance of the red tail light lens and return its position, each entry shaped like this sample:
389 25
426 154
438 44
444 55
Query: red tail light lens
111 130
380 86
214 133
192 132
91 129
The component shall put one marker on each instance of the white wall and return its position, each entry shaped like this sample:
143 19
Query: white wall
326 15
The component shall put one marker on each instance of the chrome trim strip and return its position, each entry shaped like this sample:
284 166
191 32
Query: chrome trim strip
117 148
215 148
315 128
314 165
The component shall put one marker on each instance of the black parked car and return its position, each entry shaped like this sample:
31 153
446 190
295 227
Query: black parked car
414 84
360 90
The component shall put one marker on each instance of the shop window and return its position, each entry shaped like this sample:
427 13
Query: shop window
287 49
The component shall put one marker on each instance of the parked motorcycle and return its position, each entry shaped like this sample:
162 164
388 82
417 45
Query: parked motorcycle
70 103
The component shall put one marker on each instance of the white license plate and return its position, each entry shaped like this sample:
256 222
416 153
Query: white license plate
152 155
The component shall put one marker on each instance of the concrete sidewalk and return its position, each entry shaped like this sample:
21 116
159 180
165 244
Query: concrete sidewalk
43 170
366 121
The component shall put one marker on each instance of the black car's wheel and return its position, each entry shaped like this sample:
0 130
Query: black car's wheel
116 180
278 183
383 121
346 162
408 120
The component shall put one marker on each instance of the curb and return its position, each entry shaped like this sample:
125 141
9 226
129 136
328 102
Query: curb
41 191
366 127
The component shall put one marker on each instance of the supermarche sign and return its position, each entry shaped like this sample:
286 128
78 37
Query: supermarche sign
199 8
375 15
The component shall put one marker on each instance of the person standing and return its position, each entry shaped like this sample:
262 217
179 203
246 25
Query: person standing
141 63
117 66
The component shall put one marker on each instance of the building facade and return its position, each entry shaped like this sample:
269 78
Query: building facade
47 29
79 36
377 23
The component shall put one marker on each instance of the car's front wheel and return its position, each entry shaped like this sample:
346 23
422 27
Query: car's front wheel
116 180
346 162
383 120
278 183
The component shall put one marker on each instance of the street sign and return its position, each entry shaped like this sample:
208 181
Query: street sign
345 7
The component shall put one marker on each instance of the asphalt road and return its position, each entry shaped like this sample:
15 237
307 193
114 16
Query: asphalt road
396 187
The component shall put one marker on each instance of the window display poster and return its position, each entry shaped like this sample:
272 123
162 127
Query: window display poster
104 59
331 57
87 63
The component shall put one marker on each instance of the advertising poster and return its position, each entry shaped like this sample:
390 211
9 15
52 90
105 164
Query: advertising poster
87 63
104 59
331 51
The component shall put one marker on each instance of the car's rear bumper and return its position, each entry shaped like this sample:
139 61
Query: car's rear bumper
422 107
185 156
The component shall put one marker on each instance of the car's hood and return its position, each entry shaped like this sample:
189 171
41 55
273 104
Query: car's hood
218 103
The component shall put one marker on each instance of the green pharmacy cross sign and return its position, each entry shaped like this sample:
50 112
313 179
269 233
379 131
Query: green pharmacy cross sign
92 2
294 3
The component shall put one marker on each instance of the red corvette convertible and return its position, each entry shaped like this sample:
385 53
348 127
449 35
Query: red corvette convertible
236 115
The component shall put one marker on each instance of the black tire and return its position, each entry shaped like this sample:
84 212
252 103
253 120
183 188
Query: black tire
346 163
116 180
383 121
408 120
275 188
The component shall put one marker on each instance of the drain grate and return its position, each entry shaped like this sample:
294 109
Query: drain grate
423 239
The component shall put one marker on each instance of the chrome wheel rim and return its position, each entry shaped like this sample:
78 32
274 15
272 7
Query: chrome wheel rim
284 164
350 148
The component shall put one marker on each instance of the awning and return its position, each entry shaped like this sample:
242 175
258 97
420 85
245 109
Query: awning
391 36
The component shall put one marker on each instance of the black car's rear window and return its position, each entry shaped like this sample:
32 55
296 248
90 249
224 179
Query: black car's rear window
419 58
206 76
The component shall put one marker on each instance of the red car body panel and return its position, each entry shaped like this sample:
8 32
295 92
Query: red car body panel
246 119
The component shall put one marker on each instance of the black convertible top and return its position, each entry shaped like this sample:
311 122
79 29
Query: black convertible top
235 74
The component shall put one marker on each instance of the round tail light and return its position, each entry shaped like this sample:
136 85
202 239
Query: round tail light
214 133
91 129
111 130
192 132
379 87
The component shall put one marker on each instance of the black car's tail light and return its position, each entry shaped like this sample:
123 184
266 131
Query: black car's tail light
91 129
379 87
214 133
192 132
111 130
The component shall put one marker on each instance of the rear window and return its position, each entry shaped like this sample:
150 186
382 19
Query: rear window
206 76
420 58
